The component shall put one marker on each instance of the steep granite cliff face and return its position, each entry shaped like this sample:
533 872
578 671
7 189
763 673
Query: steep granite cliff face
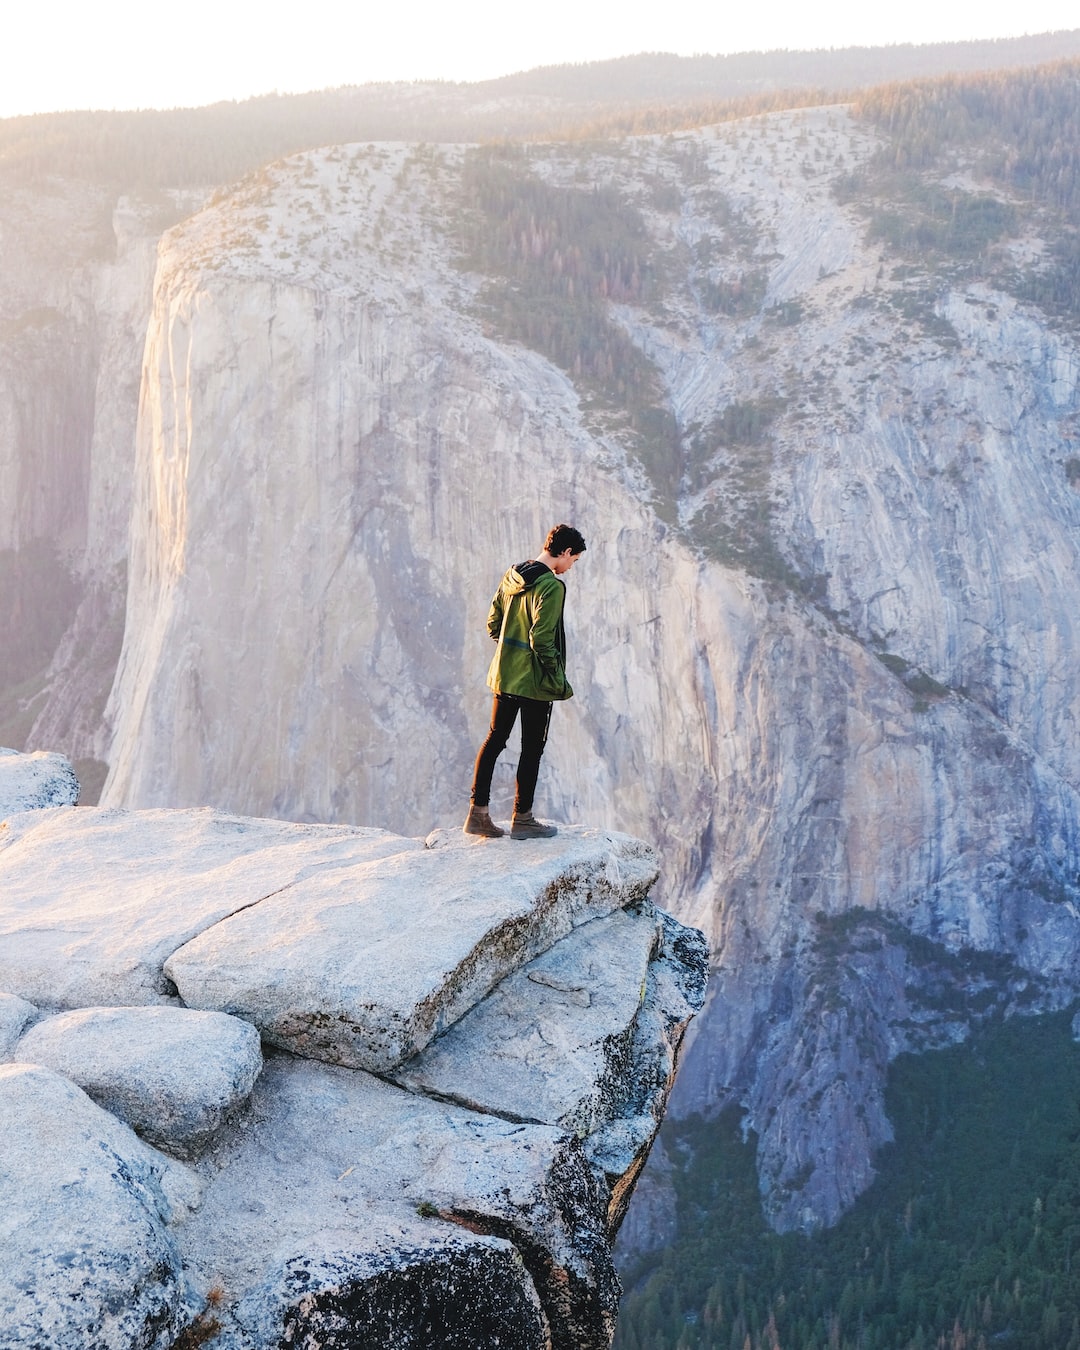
820 652
76 281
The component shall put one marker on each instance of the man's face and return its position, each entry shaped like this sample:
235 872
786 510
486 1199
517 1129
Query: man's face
564 561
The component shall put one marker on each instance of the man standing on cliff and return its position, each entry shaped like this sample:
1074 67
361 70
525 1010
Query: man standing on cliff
527 674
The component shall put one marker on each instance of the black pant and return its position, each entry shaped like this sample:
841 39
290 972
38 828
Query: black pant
535 716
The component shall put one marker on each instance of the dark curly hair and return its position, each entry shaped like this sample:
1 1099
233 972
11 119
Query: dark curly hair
563 537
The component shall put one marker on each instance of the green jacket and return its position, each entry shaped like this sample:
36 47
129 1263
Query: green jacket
526 620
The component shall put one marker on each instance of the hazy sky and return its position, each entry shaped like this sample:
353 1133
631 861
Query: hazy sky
57 54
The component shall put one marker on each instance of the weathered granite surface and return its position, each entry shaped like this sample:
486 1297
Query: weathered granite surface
89 1257
158 879
541 1046
173 1074
584 1037
408 1286
338 1155
365 966
28 782
324 1204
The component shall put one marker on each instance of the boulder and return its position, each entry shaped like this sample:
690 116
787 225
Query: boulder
408 1288
364 966
15 1015
30 782
174 1075
88 1259
334 1151
93 900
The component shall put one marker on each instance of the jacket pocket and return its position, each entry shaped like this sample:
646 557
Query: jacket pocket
552 685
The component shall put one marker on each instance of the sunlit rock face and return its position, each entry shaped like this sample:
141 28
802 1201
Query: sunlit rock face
337 457
76 282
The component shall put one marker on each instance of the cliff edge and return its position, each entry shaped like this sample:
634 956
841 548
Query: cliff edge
266 1084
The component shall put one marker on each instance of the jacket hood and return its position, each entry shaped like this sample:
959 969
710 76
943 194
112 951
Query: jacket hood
524 576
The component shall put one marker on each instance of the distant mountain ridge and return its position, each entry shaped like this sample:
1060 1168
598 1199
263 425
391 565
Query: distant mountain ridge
664 75
221 142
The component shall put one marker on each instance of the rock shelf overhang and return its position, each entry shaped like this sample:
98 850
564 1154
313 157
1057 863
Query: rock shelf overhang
468 1049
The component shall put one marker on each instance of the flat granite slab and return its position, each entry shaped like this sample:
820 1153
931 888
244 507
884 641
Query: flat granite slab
550 1043
94 899
364 966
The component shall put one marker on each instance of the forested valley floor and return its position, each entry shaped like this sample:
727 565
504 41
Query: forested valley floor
967 1240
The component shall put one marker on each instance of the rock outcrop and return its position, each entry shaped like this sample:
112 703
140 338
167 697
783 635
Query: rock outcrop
522 1004
28 782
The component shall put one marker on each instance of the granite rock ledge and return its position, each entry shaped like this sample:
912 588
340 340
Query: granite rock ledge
466 1050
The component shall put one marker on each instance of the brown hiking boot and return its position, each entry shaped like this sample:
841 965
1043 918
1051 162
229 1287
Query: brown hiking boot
479 821
526 826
